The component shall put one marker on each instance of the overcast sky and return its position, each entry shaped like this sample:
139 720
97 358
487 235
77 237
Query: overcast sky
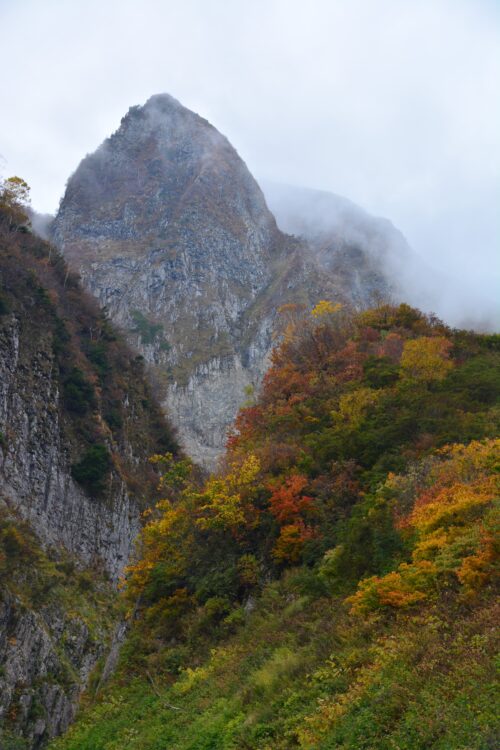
392 103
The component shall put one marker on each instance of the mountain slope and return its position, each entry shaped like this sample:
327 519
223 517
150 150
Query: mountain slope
172 234
78 423
334 586
342 237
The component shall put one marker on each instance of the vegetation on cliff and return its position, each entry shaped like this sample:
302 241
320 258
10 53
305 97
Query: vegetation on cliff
106 402
78 422
333 585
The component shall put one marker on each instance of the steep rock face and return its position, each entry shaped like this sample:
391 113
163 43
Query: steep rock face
77 425
47 655
173 220
35 463
171 233
67 384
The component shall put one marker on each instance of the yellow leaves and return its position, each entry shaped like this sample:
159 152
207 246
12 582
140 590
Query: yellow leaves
166 541
221 658
357 678
248 570
325 307
247 473
137 576
462 485
454 519
426 358
453 505
15 197
466 462
483 567
190 678
402 588
223 508
17 189
158 458
282 663
354 406
160 541
431 545
223 499
161 526
288 322
290 543
175 474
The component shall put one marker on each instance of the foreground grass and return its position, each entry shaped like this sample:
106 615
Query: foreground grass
302 673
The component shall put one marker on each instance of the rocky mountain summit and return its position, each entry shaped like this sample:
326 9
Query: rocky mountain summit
172 234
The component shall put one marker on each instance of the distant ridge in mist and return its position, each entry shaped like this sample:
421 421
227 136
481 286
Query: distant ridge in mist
329 221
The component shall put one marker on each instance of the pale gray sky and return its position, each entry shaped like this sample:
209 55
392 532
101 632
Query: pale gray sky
392 103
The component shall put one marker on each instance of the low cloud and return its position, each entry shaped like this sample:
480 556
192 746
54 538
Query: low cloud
392 104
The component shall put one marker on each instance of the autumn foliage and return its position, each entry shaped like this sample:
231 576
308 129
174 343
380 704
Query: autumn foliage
332 585
349 403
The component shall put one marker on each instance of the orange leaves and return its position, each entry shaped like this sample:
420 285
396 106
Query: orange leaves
247 421
482 568
138 574
346 362
462 486
288 505
451 505
454 519
399 589
287 502
286 381
291 540
391 347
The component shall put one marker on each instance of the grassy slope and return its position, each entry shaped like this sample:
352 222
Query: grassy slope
381 634
303 670
423 682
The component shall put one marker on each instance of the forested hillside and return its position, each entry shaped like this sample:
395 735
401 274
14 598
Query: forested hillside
333 585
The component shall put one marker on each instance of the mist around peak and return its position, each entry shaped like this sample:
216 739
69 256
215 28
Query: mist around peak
331 222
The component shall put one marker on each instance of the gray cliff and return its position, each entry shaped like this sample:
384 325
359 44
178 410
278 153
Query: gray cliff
172 234
36 483
68 386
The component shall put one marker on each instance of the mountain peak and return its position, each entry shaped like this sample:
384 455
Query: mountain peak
171 232
163 100
161 105
162 113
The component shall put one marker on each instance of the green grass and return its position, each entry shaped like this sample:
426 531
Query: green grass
301 673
